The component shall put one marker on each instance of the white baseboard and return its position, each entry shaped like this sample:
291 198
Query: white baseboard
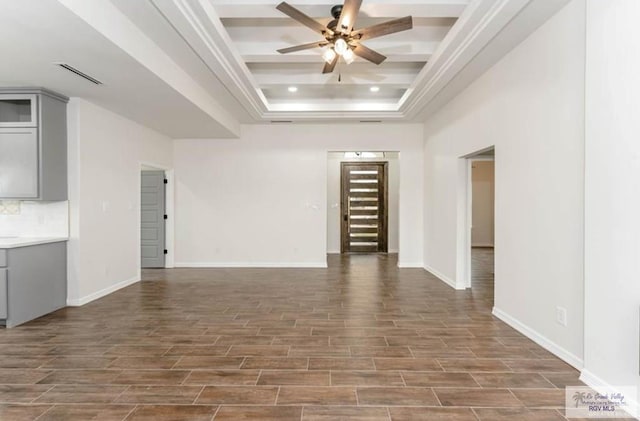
409 265
442 277
601 386
266 265
77 302
552 347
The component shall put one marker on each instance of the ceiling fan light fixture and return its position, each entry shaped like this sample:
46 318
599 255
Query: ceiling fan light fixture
341 46
329 55
349 56
339 33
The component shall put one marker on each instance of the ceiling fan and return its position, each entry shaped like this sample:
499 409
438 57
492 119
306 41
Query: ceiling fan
339 35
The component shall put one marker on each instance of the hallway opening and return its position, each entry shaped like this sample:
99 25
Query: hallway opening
482 198
476 214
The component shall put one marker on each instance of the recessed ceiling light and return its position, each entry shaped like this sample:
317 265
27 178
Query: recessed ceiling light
374 89
293 89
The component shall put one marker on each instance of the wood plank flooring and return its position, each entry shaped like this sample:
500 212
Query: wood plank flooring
361 340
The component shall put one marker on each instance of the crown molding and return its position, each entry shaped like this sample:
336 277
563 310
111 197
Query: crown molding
198 24
478 25
334 115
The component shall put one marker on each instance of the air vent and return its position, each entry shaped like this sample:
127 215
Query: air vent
79 73
281 121
370 121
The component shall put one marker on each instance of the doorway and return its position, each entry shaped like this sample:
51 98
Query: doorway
476 222
482 224
364 207
153 219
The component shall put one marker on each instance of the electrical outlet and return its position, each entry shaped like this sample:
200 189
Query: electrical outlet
561 316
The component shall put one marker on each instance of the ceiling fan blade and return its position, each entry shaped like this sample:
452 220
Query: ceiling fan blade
307 21
368 54
328 67
348 16
303 47
385 28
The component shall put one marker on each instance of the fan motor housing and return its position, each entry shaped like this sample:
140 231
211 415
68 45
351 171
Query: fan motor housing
336 11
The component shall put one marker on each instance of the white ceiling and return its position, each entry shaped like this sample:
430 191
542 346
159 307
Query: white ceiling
36 34
200 68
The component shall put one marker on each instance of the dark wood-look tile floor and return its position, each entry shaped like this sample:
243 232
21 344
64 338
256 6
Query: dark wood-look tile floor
361 340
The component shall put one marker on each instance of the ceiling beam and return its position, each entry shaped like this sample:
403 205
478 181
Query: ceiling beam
354 83
321 8
274 81
386 47
317 58
292 33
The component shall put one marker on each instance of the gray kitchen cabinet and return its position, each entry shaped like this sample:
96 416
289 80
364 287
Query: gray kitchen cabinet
33 282
33 145
3 293
19 162
18 110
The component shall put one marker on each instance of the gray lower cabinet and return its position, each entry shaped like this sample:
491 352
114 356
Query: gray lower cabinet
3 293
33 282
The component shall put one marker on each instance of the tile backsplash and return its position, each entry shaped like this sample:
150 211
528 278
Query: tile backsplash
34 219
9 207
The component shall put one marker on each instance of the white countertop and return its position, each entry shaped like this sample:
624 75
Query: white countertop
13 242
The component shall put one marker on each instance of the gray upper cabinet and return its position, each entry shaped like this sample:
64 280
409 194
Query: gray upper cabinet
19 162
33 145
18 110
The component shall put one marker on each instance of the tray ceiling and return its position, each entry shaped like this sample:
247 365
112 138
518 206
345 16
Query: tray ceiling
258 30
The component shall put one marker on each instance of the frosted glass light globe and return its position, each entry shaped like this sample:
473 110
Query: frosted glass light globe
341 46
329 55
349 56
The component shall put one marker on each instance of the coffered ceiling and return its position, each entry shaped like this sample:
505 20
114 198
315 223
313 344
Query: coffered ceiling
257 30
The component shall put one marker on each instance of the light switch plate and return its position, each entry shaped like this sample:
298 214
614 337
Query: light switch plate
561 316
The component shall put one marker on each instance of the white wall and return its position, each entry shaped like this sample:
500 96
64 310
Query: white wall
612 238
530 105
261 200
482 209
334 215
105 155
